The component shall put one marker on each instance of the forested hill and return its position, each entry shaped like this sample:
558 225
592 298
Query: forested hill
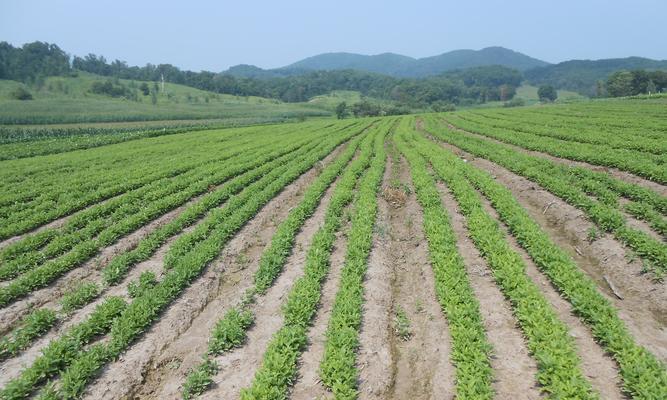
397 65
583 75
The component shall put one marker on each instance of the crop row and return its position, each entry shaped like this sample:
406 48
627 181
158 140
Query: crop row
548 339
45 274
115 169
120 264
338 367
45 209
470 347
146 307
133 216
230 331
587 133
279 363
540 171
646 165
21 142
644 377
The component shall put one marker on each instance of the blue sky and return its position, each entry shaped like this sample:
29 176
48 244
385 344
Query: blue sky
214 35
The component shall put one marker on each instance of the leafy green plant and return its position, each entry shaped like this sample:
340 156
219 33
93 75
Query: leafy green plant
79 296
402 327
141 285
199 379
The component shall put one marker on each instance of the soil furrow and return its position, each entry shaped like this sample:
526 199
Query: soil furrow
308 385
188 348
423 368
614 172
596 364
220 286
643 307
514 369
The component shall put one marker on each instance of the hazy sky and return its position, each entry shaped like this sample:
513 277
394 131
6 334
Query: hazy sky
214 35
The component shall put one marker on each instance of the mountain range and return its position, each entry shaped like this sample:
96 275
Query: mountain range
395 64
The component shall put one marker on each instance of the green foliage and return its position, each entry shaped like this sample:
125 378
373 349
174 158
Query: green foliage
402 326
470 348
582 75
79 296
515 102
643 375
110 88
146 281
592 234
280 360
146 308
62 352
341 110
547 337
229 332
547 93
21 93
199 379
567 183
338 367
631 83
31 327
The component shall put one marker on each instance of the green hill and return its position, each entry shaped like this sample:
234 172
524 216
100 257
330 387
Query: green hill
397 65
582 75
69 99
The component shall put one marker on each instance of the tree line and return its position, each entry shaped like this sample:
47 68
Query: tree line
636 82
34 61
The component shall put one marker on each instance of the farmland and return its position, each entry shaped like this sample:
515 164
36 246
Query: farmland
509 253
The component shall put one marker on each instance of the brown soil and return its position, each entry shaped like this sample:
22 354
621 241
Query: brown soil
597 365
239 364
514 369
644 304
376 359
89 271
220 286
400 276
51 225
614 172
308 385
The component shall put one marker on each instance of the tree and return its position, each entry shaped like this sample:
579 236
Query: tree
144 89
547 93
153 97
20 93
620 84
650 88
341 110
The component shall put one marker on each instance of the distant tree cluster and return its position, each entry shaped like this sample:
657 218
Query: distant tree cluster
547 93
32 62
470 86
464 87
366 108
632 83
113 88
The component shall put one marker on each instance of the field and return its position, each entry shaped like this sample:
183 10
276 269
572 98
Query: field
64 100
508 253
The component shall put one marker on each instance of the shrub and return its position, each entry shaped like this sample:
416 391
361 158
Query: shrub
21 93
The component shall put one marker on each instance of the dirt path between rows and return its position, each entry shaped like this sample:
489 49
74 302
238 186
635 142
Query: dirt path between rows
375 361
644 305
513 367
614 172
90 271
240 363
596 364
220 286
308 385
